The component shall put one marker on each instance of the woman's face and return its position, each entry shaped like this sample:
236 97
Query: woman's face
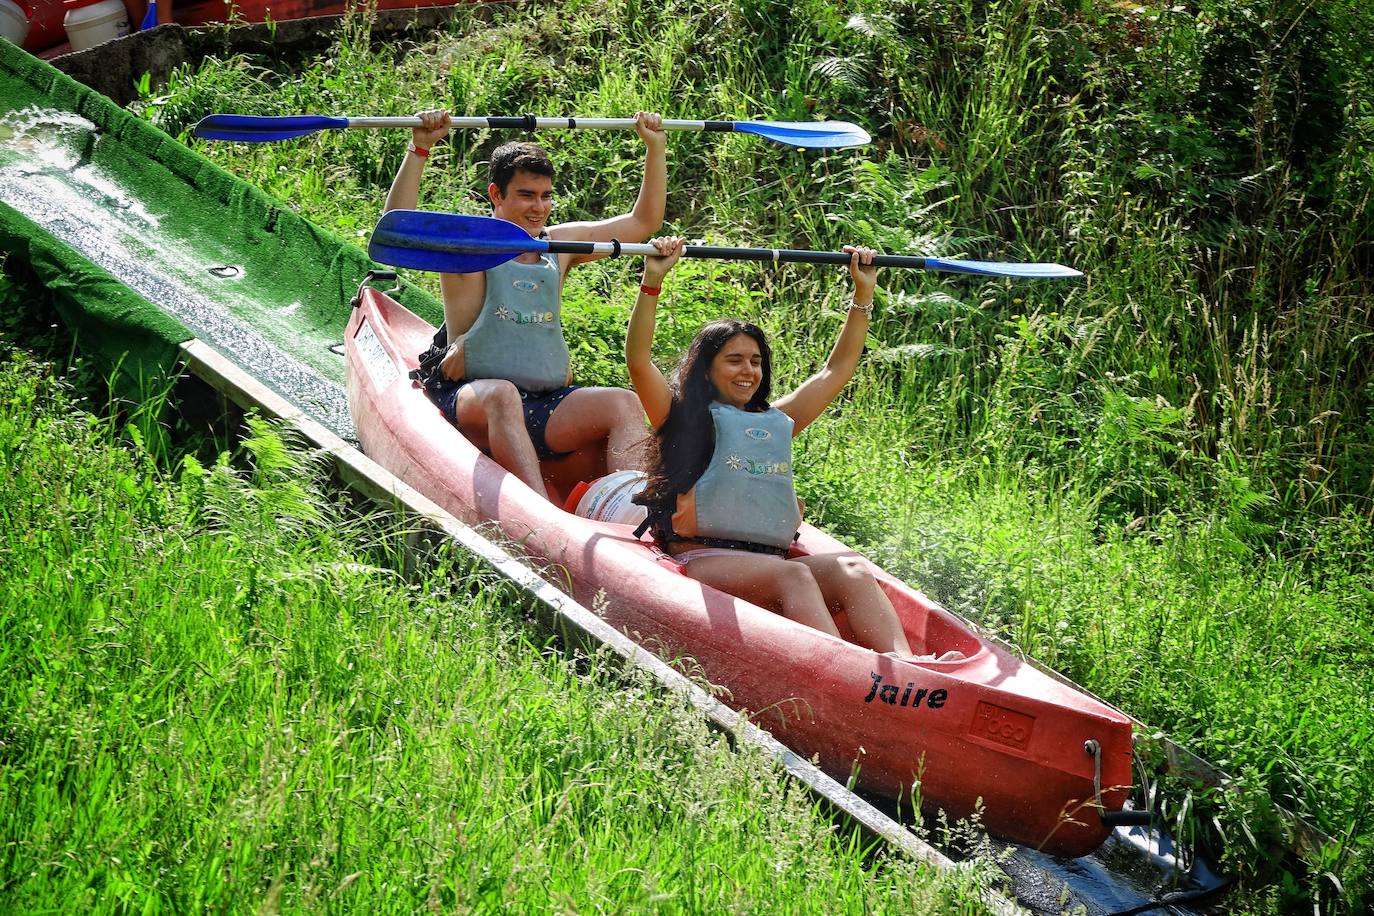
737 370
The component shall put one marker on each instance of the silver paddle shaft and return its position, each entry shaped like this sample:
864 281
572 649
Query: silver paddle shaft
529 122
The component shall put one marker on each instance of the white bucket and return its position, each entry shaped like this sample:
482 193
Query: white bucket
92 22
14 22
608 498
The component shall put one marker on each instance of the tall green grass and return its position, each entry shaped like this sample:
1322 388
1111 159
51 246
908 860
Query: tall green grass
219 692
1159 478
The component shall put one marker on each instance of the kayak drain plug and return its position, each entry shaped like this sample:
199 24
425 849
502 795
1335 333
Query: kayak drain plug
1122 818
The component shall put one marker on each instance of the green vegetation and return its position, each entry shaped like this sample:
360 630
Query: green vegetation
219 692
1157 480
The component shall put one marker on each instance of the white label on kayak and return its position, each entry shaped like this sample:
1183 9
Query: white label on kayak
374 356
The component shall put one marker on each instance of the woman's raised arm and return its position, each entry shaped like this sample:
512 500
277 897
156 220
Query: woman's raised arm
649 383
815 394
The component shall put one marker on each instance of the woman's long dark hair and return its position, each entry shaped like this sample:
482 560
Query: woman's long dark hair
680 449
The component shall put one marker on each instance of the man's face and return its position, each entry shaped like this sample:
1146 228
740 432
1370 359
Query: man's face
527 202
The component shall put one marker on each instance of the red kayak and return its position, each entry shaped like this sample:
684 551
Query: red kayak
47 37
988 731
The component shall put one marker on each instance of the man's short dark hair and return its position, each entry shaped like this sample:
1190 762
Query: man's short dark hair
518 156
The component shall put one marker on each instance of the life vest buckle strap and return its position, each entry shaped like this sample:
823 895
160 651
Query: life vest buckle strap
750 546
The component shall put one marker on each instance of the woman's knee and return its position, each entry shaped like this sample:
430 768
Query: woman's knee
843 569
845 579
795 579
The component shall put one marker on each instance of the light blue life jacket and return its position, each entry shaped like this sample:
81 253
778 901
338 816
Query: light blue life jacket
746 492
518 334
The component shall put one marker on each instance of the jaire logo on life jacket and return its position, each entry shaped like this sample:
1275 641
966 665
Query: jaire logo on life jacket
505 314
739 463
911 696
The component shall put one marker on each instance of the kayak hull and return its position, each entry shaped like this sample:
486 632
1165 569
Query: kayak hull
988 734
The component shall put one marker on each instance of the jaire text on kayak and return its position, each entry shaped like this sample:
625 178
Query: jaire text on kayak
912 695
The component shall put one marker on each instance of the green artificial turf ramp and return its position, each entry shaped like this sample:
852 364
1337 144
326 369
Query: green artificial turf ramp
144 243
116 324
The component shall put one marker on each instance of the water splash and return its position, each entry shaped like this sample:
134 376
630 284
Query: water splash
43 141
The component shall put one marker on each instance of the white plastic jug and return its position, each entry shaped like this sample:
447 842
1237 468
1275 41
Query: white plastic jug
607 499
91 22
14 21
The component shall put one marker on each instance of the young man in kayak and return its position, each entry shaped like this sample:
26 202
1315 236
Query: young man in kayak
499 366
720 493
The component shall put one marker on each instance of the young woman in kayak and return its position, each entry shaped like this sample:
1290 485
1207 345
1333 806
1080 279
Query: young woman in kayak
719 493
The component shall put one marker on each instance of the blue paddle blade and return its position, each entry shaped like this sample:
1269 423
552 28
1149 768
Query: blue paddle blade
1003 269
261 129
448 243
813 134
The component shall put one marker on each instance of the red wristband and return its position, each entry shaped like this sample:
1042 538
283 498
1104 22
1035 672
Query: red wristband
419 151
650 290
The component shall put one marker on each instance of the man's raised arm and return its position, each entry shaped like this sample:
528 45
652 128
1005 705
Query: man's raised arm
647 216
405 187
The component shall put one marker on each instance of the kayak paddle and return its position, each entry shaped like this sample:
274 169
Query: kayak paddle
457 244
263 128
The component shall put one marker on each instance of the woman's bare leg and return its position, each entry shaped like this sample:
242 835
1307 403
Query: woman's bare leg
770 582
849 586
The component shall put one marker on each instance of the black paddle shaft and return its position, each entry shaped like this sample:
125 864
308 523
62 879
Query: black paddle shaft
794 256
778 255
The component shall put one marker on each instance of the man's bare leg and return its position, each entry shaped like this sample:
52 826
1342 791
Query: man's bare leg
591 415
491 410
